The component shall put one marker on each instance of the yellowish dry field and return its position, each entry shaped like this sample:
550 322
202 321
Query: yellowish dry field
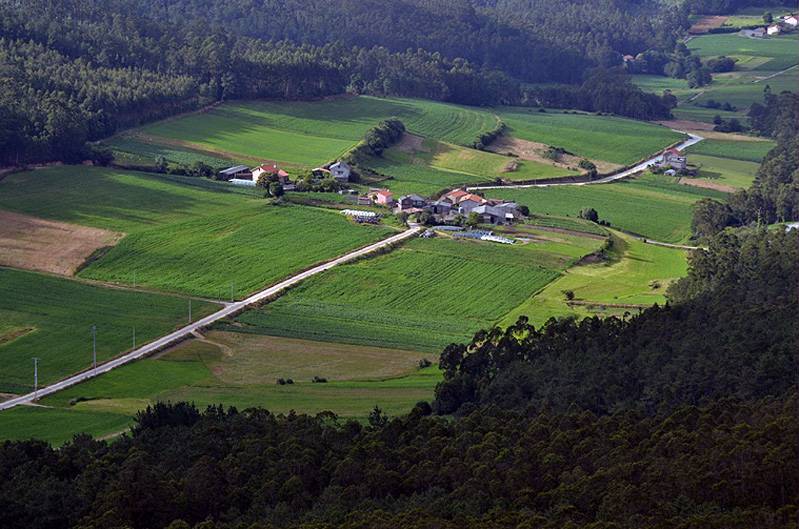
32 243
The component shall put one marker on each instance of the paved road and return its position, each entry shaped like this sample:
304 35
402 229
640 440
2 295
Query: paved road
183 332
694 139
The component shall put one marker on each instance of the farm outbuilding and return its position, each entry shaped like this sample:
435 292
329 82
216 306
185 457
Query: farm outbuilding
237 171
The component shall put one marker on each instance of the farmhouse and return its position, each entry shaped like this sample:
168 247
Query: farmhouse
270 169
341 171
441 207
321 172
467 203
384 197
492 214
790 21
237 171
774 29
408 202
454 196
673 159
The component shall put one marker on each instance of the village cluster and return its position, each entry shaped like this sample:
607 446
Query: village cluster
449 206
452 207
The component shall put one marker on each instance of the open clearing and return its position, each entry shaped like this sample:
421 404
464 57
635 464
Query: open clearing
654 206
423 296
185 234
634 273
535 151
47 246
301 134
607 138
50 318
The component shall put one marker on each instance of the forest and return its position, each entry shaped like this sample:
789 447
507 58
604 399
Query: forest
77 70
774 197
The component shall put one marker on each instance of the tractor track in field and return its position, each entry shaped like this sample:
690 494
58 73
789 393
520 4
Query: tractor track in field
187 331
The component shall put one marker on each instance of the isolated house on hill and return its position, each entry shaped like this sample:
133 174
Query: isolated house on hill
674 159
341 171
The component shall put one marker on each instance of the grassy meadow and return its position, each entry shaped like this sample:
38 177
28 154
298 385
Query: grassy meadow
434 166
771 54
727 172
611 139
185 235
634 273
422 296
748 151
654 206
304 134
234 370
50 318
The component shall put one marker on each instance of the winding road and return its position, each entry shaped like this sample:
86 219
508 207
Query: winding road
692 140
227 310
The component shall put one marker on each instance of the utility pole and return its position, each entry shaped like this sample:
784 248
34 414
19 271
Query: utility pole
94 347
35 378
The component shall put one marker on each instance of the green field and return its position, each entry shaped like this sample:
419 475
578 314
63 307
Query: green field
635 273
422 296
50 318
129 150
779 52
653 206
760 63
199 372
749 151
186 235
611 139
306 134
724 171
436 165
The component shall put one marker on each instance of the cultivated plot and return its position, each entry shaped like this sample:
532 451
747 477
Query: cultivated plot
654 206
51 318
183 234
606 138
301 134
422 296
426 167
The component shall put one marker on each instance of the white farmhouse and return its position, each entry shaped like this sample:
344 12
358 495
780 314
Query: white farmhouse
341 171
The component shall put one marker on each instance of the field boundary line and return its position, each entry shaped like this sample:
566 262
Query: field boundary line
188 330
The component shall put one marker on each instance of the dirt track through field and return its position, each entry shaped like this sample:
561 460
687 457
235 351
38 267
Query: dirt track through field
32 243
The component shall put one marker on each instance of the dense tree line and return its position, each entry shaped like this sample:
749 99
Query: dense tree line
604 90
655 360
78 70
726 464
775 194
